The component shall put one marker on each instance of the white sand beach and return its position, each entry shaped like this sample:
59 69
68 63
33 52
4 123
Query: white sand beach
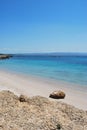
32 86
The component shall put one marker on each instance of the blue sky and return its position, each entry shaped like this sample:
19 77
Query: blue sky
43 26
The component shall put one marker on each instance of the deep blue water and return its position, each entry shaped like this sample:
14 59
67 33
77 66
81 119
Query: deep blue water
58 66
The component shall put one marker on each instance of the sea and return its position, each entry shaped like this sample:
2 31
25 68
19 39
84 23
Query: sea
67 67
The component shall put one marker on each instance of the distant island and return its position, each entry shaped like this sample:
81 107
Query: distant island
5 56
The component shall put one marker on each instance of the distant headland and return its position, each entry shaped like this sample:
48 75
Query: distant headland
5 56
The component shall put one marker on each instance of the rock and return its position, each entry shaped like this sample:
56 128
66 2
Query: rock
57 95
22 98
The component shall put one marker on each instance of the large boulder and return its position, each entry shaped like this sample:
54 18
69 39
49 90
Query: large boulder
57 95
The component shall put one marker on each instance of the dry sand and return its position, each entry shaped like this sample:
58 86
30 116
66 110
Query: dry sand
32 86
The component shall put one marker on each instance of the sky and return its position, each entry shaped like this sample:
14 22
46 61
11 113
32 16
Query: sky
28 26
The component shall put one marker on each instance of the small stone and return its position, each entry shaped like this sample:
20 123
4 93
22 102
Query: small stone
22 98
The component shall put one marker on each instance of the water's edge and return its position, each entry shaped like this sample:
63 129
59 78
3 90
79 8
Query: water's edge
66 68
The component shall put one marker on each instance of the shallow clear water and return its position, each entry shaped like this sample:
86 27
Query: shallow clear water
65 67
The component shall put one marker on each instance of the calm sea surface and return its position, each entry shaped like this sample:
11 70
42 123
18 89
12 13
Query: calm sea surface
65 67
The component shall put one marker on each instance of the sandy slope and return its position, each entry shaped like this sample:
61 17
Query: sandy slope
32 86
38 113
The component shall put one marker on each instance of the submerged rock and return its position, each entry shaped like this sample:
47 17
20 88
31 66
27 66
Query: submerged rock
38 113
57 95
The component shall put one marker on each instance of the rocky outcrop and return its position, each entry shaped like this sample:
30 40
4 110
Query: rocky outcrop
57 95
5 56
38 113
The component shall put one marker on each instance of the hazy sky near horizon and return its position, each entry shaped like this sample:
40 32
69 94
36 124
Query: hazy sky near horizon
43 26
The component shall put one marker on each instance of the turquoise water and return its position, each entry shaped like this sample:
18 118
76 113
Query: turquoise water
65 67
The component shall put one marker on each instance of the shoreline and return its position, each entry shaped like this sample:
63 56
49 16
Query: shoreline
32 86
